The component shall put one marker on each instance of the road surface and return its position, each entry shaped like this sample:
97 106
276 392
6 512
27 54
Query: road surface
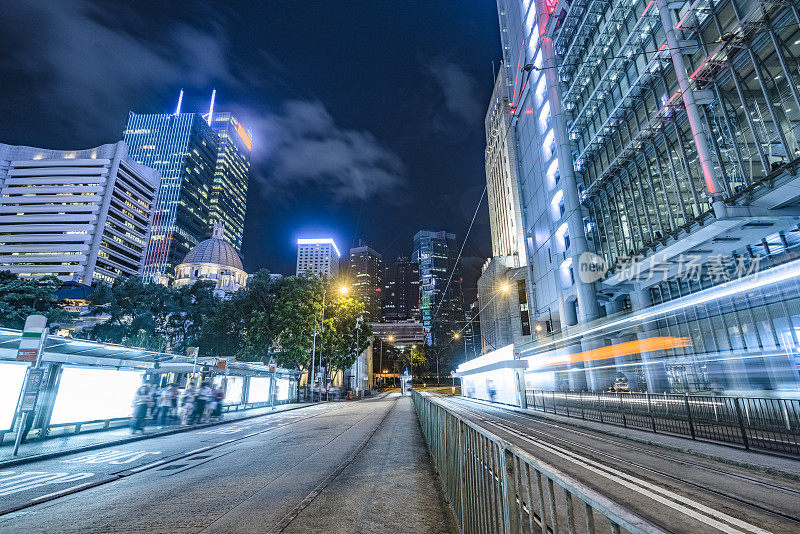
337 467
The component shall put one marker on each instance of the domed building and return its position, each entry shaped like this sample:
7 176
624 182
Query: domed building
213 259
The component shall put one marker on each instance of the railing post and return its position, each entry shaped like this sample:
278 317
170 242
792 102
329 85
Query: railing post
509 484
566 402
689 414
622 410
650 413
555 410
741 422
580 400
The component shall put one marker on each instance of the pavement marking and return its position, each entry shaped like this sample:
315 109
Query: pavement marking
673 500
111 456
13 482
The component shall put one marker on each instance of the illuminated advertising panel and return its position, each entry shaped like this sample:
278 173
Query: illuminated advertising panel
12 375
88 394
282 386
259 389
233 388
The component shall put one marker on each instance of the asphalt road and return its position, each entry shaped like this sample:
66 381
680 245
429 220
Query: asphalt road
676 491
324 468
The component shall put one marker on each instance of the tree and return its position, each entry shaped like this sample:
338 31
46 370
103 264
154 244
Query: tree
289 325
346 333
413 357
20 297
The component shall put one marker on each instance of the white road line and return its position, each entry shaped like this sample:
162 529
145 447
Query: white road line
657 493
35 479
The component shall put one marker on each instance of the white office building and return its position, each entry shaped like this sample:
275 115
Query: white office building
318 256
81 215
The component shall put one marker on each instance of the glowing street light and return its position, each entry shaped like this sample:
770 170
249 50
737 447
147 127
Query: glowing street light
504 288
343 290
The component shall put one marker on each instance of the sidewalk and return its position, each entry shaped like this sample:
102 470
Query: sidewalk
391 486
62 445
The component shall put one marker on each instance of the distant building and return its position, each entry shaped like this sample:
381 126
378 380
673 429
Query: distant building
503 297
472 330
228 200
82 215
402 333
183 148
440 289
213 259
366 274
401 290
318 256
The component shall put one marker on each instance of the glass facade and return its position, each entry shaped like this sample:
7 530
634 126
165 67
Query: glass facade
228 200
183 148
664 138
441 303
366 275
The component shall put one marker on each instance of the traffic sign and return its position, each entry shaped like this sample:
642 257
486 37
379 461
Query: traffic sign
271 367
222 362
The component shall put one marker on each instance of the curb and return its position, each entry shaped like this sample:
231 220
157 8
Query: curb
685 450
132 439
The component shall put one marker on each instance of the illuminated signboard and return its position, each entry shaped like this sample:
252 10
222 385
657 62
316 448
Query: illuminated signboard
245 138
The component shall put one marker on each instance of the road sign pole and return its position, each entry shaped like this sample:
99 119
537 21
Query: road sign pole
31 347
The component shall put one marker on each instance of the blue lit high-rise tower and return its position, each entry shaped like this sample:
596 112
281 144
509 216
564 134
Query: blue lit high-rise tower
228 199
183 148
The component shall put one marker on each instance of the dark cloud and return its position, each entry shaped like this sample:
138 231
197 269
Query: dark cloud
305 147
83 59
461 108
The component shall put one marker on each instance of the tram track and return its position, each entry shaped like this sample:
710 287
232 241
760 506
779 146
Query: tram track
125 473
508 425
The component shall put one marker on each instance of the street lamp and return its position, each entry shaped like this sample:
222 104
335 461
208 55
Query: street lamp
456 336
504 288
343 290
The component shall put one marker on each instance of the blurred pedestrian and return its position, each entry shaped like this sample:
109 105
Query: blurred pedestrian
187 404
167 402
204 394
219 396
141 402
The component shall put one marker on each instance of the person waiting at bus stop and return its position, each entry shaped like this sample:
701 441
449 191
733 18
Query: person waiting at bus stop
142 400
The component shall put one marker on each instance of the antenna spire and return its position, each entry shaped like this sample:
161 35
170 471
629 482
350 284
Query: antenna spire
211 107
180 101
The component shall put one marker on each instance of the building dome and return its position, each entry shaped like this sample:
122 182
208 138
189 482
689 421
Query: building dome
213 259
214 250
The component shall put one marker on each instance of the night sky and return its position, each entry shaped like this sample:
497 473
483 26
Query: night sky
367 115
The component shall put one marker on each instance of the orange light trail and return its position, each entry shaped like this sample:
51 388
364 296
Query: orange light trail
631 347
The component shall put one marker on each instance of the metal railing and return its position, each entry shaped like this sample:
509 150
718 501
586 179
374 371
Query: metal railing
763 424
493 486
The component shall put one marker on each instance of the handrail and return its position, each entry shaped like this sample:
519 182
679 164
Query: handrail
494 486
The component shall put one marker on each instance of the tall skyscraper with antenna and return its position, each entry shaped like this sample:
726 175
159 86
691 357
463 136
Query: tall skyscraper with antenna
228 198
184 149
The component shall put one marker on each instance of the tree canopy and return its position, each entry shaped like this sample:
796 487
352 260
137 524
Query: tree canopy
20 297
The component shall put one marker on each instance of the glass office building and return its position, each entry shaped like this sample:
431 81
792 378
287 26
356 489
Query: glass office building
658 146
440 285
183 148
228 200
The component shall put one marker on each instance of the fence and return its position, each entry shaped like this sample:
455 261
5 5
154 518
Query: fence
749 422
493 486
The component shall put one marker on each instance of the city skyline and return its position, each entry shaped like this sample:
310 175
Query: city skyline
419 127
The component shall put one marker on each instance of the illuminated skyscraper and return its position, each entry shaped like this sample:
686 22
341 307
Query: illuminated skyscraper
228 200
183 148
401 290
441 303
318 256
366 276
